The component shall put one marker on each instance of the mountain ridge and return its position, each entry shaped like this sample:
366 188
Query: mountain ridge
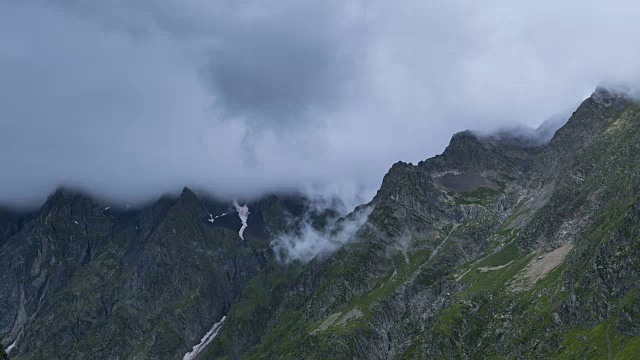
495 247
520 224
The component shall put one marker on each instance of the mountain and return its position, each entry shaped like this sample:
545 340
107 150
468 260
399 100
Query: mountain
500 247
494 249
85 280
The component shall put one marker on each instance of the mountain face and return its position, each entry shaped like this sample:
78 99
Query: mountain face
498 248
84 280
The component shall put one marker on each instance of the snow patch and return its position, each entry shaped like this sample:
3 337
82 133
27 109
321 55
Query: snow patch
208 337
8 350
243 213
212 218
75 222
107 208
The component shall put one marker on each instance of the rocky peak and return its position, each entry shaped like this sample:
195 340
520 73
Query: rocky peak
466 150
590 120
463 143
398 178
469 152
609 97
67 203
189 199
188 194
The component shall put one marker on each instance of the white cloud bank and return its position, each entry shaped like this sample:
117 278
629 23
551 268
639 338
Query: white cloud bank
132 99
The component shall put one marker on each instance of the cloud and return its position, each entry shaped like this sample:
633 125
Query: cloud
307 240
281 66
133 99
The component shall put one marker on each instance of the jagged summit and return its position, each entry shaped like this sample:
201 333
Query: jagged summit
63 193
189 199
612 97
523 136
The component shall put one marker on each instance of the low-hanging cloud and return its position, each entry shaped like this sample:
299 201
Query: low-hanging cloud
133 99
307 240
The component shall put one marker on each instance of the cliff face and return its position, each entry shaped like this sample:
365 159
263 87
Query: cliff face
499 247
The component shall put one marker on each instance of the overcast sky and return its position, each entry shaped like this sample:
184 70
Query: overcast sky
133 98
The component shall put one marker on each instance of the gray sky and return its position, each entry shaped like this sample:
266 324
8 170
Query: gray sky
131 99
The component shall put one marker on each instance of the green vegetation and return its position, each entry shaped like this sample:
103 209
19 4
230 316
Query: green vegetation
480 196
600 342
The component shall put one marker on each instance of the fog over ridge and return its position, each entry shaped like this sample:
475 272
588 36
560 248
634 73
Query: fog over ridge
129 100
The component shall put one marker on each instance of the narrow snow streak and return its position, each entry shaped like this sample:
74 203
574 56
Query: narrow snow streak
211 218
243 213
215 329
8 350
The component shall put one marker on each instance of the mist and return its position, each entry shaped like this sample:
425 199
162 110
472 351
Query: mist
129 100
308 240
